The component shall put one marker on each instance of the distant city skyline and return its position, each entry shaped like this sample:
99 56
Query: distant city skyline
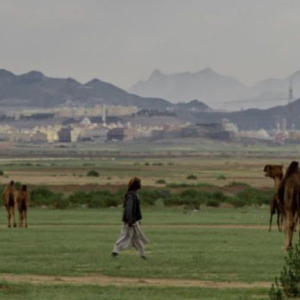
122 42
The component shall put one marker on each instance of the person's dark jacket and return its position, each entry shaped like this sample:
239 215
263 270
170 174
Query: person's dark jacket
132 211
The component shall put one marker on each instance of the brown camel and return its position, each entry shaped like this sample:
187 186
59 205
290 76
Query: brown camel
276 173
9 197
289 201
23 205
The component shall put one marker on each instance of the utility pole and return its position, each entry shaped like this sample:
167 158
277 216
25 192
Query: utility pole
290 101
291 94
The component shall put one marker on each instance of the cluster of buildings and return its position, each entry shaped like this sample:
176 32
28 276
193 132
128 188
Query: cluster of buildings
84 131
70 111
128 125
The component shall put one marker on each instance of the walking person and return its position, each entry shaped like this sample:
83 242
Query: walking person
131 234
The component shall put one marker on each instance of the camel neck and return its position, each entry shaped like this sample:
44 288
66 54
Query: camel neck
276 182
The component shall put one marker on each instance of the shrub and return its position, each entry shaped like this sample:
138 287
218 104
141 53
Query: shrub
213 203
147 164
160 181
288 284
236 202
191 177
61 204
236 183
221 177
78 198
192 198
43 196
18 185
1 173
253 196
92 173
149 197
178 185
183 185
218 195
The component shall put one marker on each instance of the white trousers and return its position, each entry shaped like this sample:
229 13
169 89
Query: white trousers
131 237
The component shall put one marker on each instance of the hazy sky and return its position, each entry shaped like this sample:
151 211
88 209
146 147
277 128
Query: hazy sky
122 41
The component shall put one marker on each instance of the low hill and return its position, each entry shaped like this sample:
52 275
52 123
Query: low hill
36 89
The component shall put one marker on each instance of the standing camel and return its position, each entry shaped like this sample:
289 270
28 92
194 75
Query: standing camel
23 204
9 197
289 201
276 173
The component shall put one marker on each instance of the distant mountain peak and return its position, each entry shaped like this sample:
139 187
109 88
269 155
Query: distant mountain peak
33 73
5 73
94 82
31 77
156 73
208 71
296 74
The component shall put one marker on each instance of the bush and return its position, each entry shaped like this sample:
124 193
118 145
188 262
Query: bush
147 164
92 173
221 177
100 199
191 177
160 181
17 185
157 164
218 195
183 185
149 197
61 204
1 173
179 185
288 284
253 196
236 183
236 202
213 203
43 196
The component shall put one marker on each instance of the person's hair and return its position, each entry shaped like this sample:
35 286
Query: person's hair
24 188
134 184
12 183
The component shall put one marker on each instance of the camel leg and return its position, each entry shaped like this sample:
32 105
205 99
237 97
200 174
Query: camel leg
8 218
270 224
278 221
286 231
281 222
20 219
289 228
25 217
13 215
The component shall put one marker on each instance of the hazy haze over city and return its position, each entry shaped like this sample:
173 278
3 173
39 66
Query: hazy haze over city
123 41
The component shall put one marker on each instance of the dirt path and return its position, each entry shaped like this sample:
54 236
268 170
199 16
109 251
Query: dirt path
101 280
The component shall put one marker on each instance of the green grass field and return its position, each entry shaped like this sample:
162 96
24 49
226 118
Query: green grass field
224 253
214 253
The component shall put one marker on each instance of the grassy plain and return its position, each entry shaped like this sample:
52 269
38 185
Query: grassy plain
212 246
117 171
215 253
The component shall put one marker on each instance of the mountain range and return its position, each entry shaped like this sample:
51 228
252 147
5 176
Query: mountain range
34 89
216 90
